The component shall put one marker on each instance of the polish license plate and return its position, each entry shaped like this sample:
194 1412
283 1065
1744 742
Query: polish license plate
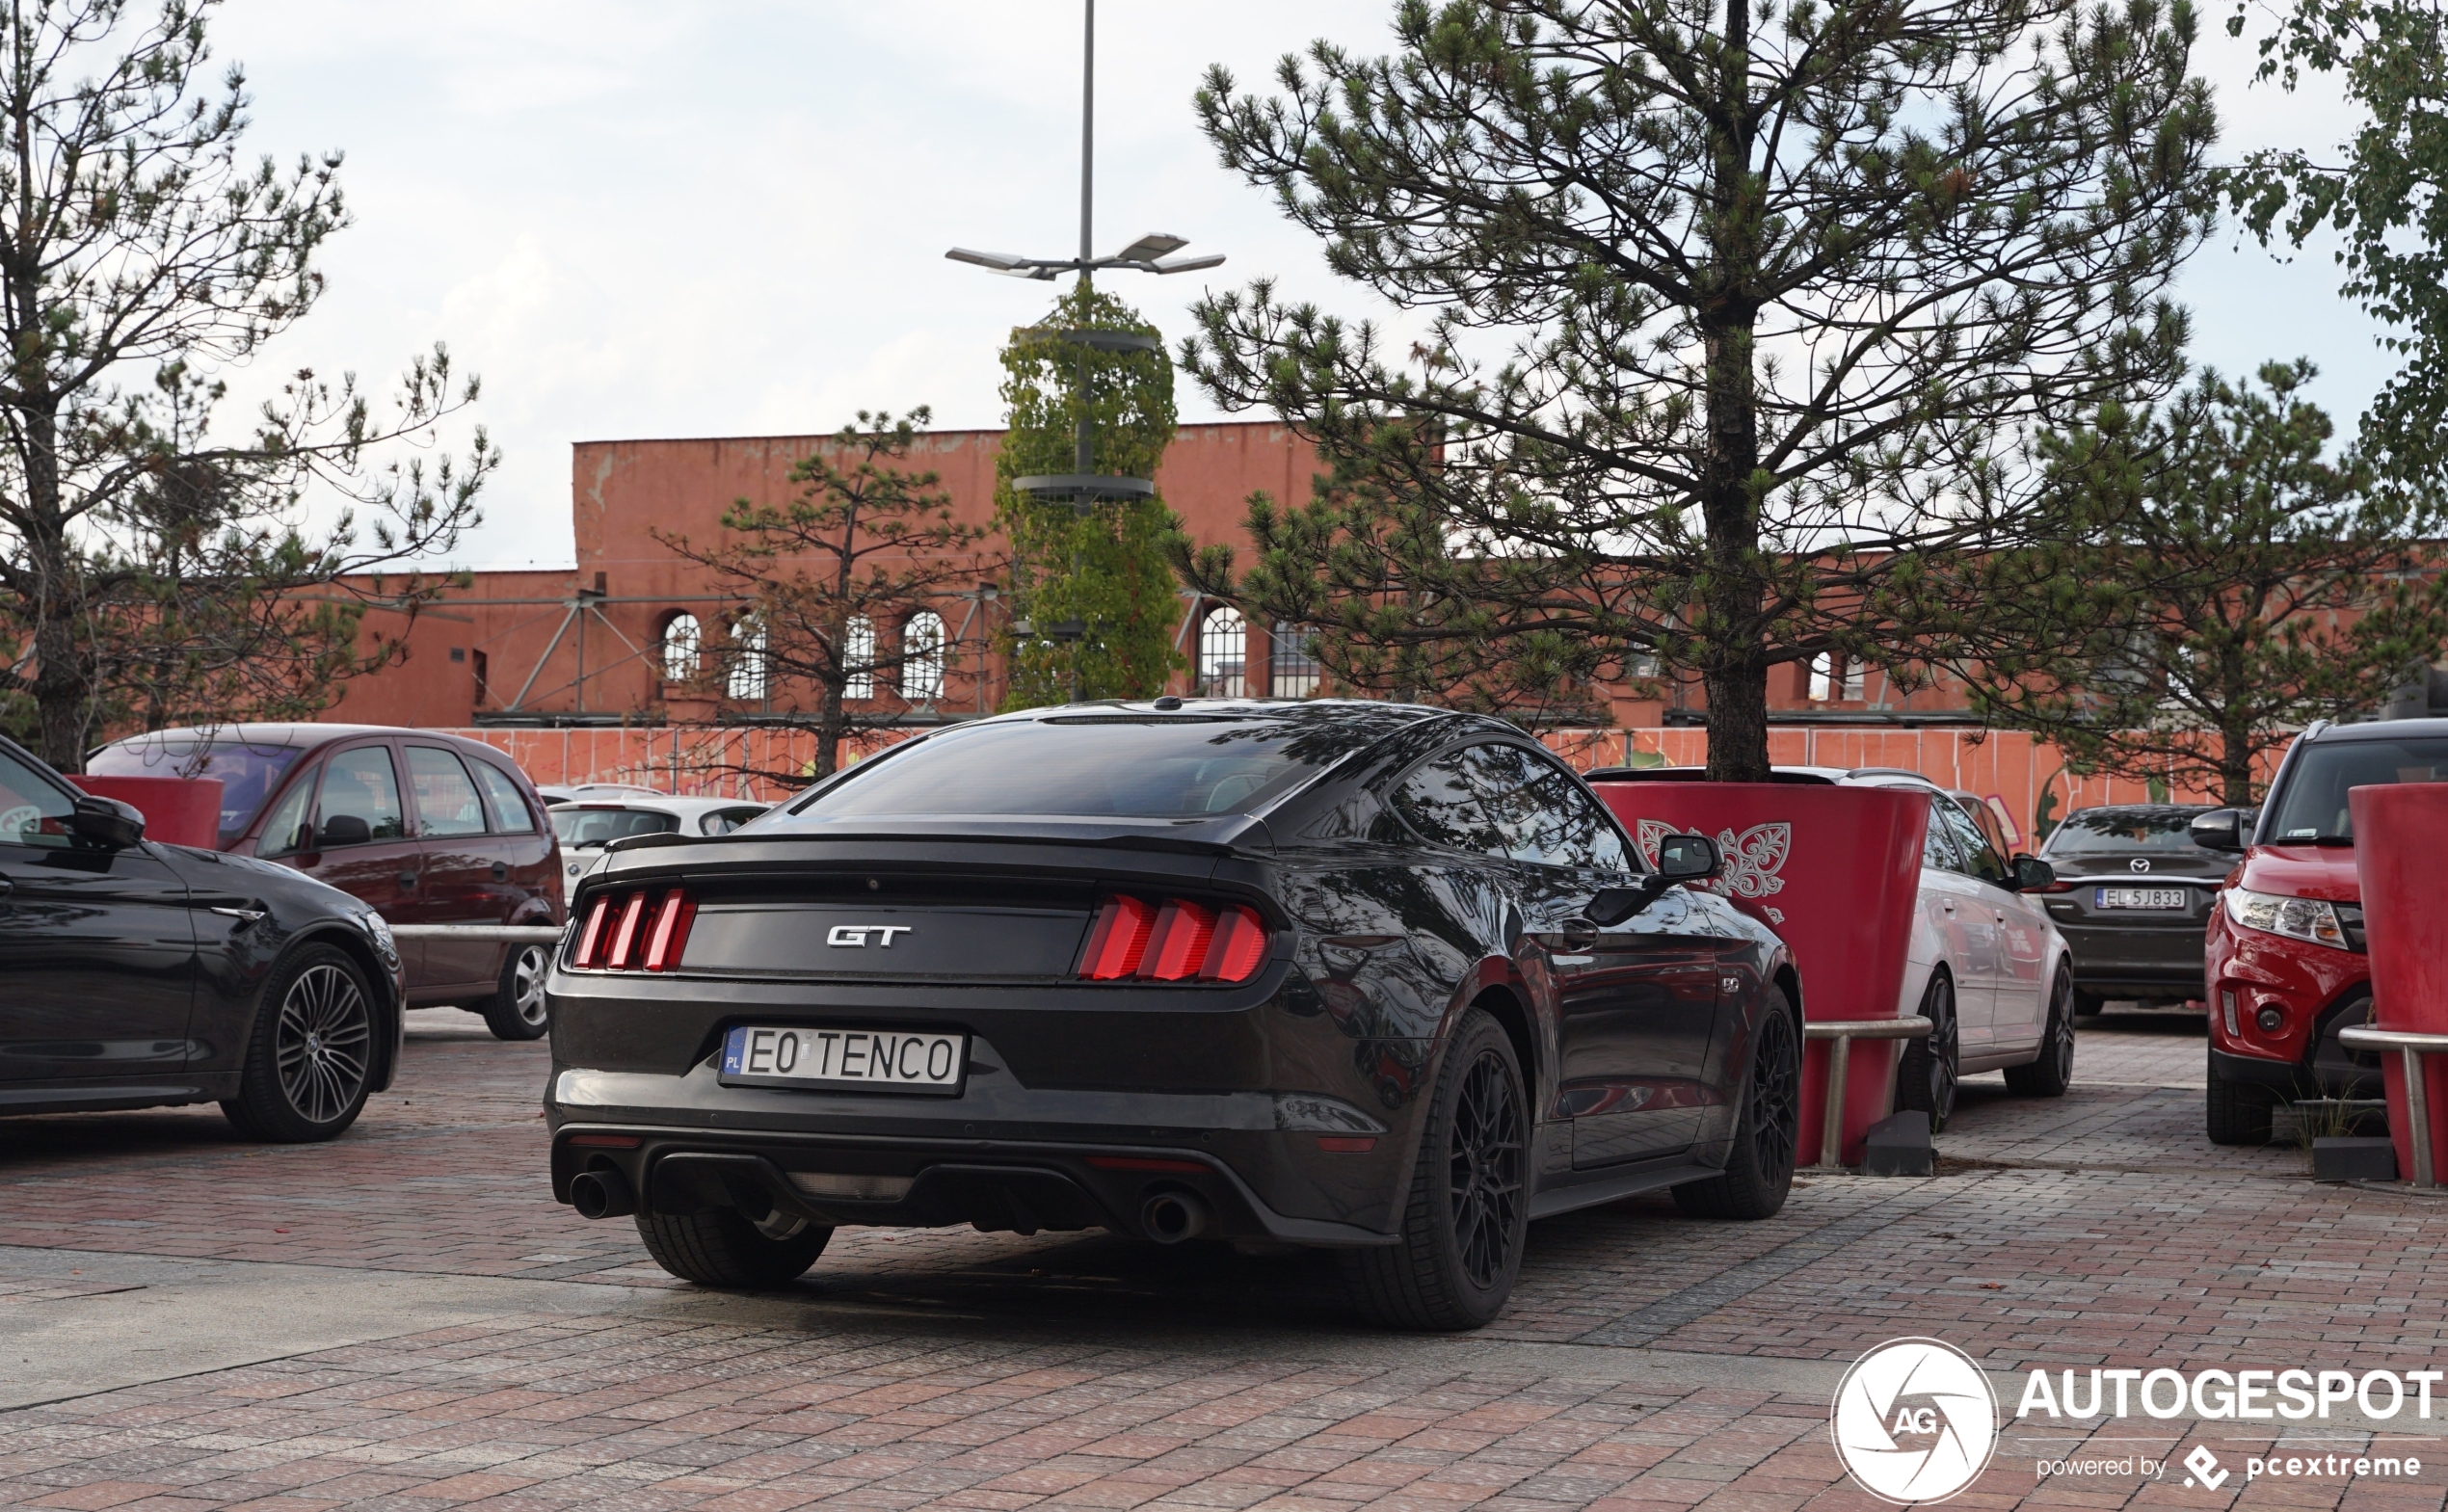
2144 898
867 1060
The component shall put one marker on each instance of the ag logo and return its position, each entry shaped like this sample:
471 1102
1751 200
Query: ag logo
1915 1420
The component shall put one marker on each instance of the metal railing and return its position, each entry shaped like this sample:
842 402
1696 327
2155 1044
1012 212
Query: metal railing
2412 1047
1840 1054
482 933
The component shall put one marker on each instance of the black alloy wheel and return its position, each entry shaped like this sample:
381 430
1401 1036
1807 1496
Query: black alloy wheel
516 1009
1925 1077
1483 1184
1467 1213
2053 1072
309 1054
1759 1167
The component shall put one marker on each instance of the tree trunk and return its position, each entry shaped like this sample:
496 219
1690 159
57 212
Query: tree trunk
1734 668
63 692
829 723
2235 766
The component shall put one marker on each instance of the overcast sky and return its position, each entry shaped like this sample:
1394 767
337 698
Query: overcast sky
653 218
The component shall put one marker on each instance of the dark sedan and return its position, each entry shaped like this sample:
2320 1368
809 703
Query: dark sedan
1382 979
134 974
2133 896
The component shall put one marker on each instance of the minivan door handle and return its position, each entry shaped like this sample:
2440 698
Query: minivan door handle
408 878
501 871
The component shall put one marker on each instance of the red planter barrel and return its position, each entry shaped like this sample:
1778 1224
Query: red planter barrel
2401 832
1835 871
178 811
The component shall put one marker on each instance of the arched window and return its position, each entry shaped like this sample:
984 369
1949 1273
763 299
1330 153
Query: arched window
1292 673
923 657
1223 653
858 658
750 674
677 647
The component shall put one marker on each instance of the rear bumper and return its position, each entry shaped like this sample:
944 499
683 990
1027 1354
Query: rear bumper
994 1184
2144 960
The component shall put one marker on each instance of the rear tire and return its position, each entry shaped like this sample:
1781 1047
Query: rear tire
2054 1072
309 1052
2087 1006
2239 1111
517 1010
1759 1171
722 1248
1468 1212
1927 1073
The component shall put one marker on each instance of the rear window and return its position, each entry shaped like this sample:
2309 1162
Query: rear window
2126 832
248 771
1092 767
581 827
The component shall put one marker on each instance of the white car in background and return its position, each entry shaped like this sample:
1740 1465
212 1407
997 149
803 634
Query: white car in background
588 824
1986 964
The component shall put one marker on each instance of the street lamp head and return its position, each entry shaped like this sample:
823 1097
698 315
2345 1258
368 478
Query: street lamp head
1150 247
1004 263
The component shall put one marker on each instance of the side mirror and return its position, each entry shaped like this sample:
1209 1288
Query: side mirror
2033 874
106 822
344 829
2218 830
1689 857
1681 858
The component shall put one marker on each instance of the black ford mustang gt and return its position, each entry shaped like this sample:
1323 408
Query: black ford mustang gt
1347 974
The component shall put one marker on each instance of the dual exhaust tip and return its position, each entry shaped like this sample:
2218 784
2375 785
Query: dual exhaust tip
1168 1217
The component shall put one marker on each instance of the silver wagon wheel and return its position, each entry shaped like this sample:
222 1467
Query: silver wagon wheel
526 985
320 1042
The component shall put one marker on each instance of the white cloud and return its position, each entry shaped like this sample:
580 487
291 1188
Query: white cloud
654 219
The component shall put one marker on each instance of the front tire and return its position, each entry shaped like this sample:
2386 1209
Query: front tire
2054 1072
517 1010
723 1247
2239 1111
1468 1212
305 1078
1759 1171
1927 1073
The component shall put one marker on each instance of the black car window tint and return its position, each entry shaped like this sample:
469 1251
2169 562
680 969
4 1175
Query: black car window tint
33 811
510 810
1978 860
290 827
1597 842
446 801
1506 780
2127 831
361 798
1441 805
1937 848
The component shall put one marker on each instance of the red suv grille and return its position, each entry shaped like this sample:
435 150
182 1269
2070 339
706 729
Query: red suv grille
636 931
1175 940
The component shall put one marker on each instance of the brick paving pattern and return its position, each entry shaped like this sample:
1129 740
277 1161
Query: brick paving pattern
2100 1229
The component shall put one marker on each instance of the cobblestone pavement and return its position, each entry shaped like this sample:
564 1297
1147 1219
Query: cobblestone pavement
406 1320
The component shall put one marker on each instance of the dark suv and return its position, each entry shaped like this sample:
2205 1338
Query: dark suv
430 829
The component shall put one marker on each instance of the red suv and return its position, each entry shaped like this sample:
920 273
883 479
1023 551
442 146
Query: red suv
2284 954
430 829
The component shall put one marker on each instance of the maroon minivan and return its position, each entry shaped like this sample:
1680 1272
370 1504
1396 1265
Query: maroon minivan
430 829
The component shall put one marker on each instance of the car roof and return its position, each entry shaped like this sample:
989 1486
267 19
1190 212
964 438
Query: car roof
298 736
2147 811
659 803
2380 730
1832 776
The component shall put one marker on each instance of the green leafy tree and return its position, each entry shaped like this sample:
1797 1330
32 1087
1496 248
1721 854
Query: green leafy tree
830 581
1738 317
157 571
2380 192
1099 580
2253 585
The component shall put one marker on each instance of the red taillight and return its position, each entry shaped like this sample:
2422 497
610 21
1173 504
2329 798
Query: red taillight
670 932
2059 887
1177 940
591 936
636 931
